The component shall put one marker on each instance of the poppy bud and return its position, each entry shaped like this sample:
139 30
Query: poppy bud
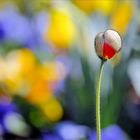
107 44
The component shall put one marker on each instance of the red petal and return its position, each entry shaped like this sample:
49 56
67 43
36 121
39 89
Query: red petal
108 51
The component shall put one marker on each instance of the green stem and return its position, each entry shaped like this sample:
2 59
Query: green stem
98 124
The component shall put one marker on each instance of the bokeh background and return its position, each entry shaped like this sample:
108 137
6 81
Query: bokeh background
48 70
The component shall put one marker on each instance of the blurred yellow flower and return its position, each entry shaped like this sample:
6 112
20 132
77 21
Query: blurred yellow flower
87 6
61 31
27 61
52 110
48 71
105 6
20 62
39 93
23 76
122 16
52 71
44 77
18 66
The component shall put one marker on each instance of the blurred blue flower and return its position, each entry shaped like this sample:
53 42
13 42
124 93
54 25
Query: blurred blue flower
35 40
38 23
50 136
71 131
113 132
2 33
5 107
10 119
23 29
13 26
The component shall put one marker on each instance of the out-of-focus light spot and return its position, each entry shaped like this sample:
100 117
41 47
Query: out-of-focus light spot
15 124
52 110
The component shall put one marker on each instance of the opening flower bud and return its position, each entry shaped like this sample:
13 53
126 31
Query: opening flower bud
107 44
